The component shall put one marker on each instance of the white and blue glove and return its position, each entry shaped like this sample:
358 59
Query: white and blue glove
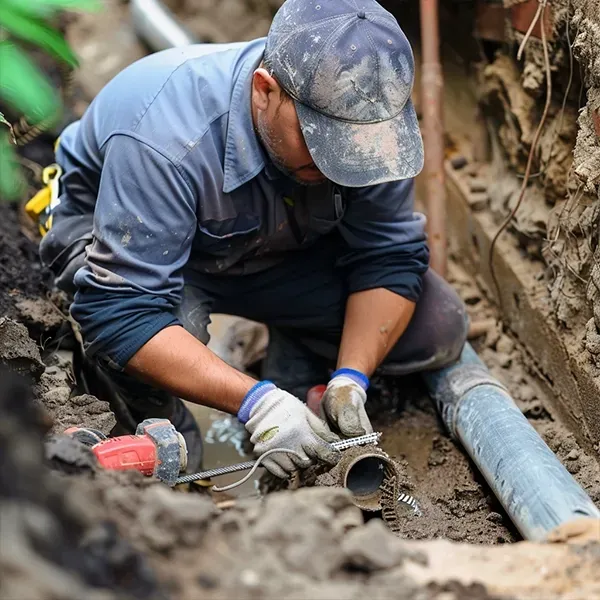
343 403
276 419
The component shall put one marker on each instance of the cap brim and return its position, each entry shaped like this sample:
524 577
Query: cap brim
362 154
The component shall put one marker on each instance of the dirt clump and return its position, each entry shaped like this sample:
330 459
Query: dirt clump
41 317
17 350
49 550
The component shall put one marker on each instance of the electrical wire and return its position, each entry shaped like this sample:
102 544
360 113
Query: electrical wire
257 464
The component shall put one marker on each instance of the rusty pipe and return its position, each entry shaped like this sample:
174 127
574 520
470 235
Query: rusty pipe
432 87
363 475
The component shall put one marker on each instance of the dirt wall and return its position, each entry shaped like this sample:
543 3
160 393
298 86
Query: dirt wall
558 220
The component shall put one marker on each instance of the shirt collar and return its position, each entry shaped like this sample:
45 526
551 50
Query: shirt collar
244 157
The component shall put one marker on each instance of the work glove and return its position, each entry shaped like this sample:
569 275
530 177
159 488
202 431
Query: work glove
343 403
276 419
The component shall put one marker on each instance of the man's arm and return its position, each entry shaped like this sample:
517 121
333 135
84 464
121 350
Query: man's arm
375 320
144 224
385 259
176 361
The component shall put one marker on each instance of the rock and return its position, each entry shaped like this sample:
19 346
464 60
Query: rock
373 547
503 359
527 393
54 393
478 200
39 315
69 455
165 519
494 517
458 162
573 455
307 528
18 351
478 185
505 345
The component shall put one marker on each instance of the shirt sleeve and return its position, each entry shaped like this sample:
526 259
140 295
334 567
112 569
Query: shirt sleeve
144 223
385 239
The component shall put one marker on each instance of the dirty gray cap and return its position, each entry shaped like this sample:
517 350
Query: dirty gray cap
350 70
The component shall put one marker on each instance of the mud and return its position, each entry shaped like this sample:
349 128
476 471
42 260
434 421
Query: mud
79 532
41 317
21 275
104 535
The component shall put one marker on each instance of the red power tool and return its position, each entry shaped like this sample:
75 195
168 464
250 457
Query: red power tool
157 448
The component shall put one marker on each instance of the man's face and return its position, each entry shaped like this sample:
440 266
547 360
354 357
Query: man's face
278 128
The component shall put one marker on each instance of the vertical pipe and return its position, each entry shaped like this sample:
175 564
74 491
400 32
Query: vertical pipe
432 86
536 490
155 24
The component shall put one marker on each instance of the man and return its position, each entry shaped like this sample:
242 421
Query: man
271 180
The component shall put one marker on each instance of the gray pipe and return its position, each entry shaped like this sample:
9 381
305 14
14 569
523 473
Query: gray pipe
536 490
155 24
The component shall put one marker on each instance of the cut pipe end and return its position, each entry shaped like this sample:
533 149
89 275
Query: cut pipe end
363 475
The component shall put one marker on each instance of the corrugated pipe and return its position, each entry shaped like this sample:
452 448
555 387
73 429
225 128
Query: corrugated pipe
535 489
157 27
432 89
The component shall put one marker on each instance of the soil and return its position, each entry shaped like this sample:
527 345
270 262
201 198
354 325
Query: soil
21 275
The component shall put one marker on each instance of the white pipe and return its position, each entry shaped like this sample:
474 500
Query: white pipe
536 490
155 24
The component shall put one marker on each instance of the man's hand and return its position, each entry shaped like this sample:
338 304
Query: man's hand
276 419
344 400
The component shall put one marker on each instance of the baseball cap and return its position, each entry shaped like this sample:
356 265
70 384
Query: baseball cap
350 70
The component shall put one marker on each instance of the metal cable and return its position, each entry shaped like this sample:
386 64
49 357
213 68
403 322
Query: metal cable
369 438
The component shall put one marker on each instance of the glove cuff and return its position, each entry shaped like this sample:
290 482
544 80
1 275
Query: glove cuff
359 378
254 395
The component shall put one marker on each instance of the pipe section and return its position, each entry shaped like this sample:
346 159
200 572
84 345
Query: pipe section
432 89
157 27
536 490
363 474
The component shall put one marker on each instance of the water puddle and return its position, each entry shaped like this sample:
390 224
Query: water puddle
224 439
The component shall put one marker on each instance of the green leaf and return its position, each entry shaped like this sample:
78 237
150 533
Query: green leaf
25 88
36 31
12 183
49 7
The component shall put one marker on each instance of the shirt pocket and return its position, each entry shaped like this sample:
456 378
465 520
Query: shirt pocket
326 215
220 238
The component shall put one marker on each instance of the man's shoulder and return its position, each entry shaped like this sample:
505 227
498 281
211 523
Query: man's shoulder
173 97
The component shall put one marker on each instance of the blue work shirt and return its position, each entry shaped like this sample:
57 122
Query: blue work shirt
167 160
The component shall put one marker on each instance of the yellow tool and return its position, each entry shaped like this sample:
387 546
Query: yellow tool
40 207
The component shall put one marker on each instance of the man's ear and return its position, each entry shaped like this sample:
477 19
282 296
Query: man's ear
263 84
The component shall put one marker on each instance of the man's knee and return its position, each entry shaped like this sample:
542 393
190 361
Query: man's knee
437 332
449 333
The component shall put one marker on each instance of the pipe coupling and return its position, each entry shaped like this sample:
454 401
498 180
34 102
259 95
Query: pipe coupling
454 387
